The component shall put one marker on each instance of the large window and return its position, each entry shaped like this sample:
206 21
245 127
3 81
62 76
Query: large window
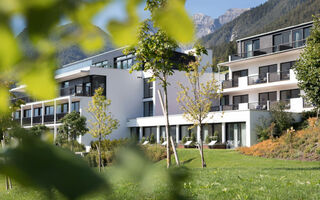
27 113
124 62
17 114
251 47
263 71
75 106
49 110
172 130
62 108
186 132
148 108
210 130
37 112
239 99
148 131
281 41
289 94
285 70
147 88
265 97
236 135
236 75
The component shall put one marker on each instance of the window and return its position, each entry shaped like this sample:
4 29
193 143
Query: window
281 41
147 88
239 99
186 132
148 108
285 70
99 81
17 114
75 106
65 84
148 131
250 47
134 133
267 96
27 113
172 130
236 75
124 62
102 64
289 94
263 71
306 32
297 38
49 110
37 112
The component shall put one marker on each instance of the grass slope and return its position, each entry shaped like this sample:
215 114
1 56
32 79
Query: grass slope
229 175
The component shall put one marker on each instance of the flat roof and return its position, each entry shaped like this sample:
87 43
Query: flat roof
274 31
91 57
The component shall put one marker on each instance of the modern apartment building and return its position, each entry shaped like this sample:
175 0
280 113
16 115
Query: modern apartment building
131 94
260 75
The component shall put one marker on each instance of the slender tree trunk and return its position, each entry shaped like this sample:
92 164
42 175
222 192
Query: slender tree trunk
201 148
318 111
99 151
167 126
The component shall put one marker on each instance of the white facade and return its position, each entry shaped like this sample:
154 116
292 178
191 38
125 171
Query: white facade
249 92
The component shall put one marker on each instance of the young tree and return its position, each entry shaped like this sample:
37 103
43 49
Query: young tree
155 53
102 124
196 98
308 67
73 125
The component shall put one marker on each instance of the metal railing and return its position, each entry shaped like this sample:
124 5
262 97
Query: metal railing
26 120
230 84
37 120
76 91
49 119
268 78
272 49
258 106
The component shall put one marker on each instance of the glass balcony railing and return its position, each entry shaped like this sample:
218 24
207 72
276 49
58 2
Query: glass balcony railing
269 78
264 51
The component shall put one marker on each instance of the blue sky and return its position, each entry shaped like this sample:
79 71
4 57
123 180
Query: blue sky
213 8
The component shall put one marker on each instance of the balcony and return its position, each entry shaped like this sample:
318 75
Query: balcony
292 105
37 120
49 119
60 116
268 50
247 82
76 91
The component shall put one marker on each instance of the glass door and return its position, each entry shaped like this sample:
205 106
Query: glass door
248 49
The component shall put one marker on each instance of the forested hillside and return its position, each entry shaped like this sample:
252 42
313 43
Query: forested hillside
271 15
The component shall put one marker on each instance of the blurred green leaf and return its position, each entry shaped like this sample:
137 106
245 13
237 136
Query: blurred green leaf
126 33
175 21
40 80
36 163
9 52
4 100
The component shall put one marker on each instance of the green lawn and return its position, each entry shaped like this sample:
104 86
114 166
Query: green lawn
229 175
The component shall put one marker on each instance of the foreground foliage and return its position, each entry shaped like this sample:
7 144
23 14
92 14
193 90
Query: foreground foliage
229 175
302 144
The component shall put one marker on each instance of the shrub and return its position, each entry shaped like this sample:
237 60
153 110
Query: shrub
143 139
77 147
301 144
152 139
107 158
108 145
184 139
207 139
193 137
282 119
162 140
155 152
264 129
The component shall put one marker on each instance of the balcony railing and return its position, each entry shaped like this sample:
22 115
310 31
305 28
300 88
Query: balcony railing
37 120
258 106
264 51
60 116
49 119
229 84
76 91
269 78
26 121
257 79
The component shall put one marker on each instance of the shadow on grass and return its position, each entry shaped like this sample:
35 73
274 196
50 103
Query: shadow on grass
188 161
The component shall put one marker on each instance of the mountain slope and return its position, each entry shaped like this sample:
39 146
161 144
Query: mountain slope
66 53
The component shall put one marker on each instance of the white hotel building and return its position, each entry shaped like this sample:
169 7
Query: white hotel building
259 76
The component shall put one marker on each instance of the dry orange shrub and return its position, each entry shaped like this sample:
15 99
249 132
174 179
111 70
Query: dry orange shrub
302 144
